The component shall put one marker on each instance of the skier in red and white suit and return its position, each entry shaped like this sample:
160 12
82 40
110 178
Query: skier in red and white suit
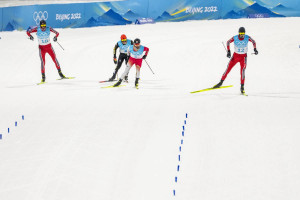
43 35
136 55
239 55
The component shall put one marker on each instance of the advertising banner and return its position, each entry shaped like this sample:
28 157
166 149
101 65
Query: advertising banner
77 15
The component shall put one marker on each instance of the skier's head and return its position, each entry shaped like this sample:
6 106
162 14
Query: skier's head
123 38
137 43
43 25
242 32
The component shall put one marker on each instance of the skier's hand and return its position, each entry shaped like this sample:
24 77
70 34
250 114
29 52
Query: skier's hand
144 57
115 60
255 51
228 54
31 37
55 39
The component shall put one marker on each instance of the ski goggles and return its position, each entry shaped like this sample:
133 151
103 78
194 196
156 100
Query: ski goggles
124 40
43 25
242 33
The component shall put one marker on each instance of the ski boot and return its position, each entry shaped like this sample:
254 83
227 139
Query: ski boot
61 74
118 83
242 89
113 77
43 78
137 82
219 84
126 79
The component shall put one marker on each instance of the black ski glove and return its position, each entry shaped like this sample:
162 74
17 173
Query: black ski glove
144 57
115 59
31 38
55 39
255 51
228 54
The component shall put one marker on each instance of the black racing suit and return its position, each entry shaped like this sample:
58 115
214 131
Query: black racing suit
122 57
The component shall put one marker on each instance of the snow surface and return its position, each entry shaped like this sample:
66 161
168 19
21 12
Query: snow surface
80 141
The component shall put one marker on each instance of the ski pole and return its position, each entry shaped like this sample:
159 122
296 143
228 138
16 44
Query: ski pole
224 46
149 66
60 45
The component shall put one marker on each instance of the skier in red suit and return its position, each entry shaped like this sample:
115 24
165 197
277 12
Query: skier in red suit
43 35
239 55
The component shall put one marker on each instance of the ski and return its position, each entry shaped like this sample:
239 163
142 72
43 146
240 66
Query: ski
244 94
65 78
41 83
208 89
106 81
111 86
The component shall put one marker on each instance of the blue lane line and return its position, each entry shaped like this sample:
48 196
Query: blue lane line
9 129
179 156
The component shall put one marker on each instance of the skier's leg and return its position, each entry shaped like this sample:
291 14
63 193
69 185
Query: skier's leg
137 78
42 54
230 65
243 63
128 67
119 64
53 56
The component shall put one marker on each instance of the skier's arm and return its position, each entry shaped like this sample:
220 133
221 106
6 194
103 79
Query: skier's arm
253 42
228 43
254 45
54 31
115 49
146 50
29 31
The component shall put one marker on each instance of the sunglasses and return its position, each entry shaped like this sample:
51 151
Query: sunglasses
124 40
43 25
242 33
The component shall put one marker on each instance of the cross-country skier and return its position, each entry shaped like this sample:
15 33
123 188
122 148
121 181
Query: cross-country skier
43 35
123 44
239 55
136 56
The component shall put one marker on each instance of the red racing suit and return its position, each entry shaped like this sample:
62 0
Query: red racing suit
239 55
45 45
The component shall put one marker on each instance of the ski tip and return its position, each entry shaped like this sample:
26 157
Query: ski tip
65 78
111 86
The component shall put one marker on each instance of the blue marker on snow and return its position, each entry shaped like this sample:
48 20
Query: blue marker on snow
22 117
8 130
182 133
16 123
0 136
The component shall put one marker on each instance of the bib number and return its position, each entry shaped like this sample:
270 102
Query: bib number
45 41
241 50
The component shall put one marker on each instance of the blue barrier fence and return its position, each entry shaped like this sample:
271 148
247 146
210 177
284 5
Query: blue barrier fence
79 15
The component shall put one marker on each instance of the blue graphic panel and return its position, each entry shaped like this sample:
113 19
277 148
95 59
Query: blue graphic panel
127 12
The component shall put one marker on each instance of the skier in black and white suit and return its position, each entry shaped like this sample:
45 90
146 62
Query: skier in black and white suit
123 44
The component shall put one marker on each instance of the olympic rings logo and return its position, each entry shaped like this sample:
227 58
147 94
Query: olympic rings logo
38 16
240 43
